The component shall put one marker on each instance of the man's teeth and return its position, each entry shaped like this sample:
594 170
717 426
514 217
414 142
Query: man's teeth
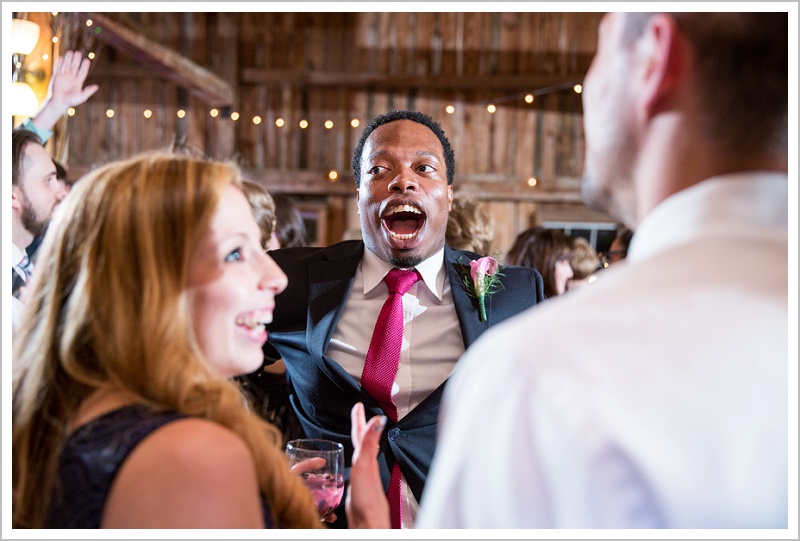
402 237
403 208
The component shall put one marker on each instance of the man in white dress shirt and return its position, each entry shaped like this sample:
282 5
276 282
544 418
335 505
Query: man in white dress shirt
658 396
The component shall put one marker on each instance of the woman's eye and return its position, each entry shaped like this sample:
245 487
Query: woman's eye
235 255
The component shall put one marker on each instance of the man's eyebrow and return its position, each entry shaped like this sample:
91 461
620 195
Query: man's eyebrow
380 152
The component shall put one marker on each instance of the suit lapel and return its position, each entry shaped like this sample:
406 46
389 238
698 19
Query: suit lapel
328 287
466 307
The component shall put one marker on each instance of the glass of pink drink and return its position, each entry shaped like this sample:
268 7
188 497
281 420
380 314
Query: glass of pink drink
321 465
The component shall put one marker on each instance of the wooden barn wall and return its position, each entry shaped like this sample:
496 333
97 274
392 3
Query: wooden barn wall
338 67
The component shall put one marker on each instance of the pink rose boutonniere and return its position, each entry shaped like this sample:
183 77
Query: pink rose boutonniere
484 279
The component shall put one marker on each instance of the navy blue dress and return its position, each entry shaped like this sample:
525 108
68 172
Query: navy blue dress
91 458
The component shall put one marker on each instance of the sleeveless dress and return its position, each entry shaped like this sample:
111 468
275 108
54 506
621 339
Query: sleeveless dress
92 456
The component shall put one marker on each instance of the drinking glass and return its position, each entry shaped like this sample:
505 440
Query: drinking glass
321 465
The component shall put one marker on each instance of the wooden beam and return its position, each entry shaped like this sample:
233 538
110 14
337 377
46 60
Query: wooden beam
165 62
521 83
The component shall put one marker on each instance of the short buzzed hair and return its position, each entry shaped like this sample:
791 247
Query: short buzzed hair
20 139
741 69
404 114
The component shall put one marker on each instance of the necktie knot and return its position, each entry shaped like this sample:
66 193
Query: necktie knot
400 281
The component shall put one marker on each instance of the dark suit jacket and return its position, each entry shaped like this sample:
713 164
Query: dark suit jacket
323 393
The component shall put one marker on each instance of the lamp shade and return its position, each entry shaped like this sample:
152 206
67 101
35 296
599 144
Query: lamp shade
23 100
24 36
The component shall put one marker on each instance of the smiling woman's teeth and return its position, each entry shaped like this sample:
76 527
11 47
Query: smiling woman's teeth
255 321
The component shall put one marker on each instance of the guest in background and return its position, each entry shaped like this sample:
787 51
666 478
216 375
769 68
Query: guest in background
469 226
619 247
35 193
37 186
584 262
659 396
549 252
290 230
128 355
263 206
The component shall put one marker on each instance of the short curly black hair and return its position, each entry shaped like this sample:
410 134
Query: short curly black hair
404 114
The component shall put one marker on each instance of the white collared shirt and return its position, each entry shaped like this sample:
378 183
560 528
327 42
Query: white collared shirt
657 397
432 341
17 256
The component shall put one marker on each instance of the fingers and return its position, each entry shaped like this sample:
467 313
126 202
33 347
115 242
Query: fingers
372 433
308 465
357 425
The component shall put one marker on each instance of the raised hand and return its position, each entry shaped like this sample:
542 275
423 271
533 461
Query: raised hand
66 89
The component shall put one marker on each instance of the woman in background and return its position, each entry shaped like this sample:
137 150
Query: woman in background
548 251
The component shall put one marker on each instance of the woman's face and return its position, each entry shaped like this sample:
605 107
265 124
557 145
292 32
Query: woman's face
231 288
563 273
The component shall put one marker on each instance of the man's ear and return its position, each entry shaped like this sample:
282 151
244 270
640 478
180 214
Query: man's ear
16 198
663 54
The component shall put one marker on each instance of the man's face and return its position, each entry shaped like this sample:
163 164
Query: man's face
609 125
403 196
38 192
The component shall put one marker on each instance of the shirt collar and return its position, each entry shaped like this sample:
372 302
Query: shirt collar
16 254
373 270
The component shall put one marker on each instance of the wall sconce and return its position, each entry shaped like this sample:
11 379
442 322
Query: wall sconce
23 100
24 36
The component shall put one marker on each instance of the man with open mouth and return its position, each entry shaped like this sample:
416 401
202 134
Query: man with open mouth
403 167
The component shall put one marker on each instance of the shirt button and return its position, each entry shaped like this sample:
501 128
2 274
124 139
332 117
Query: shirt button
394 433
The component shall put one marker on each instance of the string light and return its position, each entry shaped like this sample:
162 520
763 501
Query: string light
181 113
148 113
279 122
329 124
214 113
91 56
450 109
110 113
55 39
71 111
529 97
234 116
89 22
333 175
256 120
303 124
532 182
45 56
354 123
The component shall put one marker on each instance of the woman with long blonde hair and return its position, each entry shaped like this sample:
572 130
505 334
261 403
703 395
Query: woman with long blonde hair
152 292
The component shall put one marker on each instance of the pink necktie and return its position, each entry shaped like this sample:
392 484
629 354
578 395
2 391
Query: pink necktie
380 366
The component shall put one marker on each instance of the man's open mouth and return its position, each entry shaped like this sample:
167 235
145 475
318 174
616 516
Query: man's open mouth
403 222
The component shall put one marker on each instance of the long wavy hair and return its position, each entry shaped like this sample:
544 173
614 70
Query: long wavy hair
108 310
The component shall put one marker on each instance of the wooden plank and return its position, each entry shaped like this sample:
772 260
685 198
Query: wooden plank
198 80
509 42
223 36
